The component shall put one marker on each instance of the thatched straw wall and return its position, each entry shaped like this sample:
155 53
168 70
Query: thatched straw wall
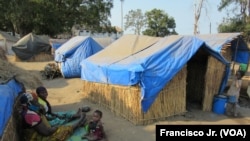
13 127
125 101
213 78
41 57
10 133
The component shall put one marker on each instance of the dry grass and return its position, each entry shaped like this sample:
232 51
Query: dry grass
8 71
125 101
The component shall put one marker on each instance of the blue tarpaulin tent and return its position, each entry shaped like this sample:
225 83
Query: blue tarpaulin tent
56 45
153 66
8 94
72 52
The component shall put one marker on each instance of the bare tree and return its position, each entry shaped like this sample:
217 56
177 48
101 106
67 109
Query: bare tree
197 14
135 20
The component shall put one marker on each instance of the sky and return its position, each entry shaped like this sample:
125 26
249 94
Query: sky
181 10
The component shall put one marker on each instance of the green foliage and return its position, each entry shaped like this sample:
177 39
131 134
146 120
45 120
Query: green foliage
232 25
159 24
135 20
53 17
239 20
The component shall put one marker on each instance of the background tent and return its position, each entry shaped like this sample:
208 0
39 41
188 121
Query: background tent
103 41
56 43
72 52
8 94
32 45
151 68
7 41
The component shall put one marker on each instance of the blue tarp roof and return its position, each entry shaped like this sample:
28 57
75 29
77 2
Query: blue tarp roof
56 45
8 94
72 52
129 61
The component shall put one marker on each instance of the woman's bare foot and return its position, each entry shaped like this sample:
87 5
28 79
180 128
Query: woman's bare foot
86 109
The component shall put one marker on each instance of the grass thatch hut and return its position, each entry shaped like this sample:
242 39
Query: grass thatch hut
204 78
125 101
145 79
210 71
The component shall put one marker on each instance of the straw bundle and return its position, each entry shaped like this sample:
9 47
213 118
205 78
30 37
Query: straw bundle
125 100
41 57
213 78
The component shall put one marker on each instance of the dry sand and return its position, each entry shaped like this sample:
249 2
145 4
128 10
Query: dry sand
65 94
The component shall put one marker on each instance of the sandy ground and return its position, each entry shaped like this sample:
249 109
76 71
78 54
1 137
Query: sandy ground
65 94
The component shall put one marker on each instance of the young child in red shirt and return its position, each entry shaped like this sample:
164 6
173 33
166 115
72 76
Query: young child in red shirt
94 128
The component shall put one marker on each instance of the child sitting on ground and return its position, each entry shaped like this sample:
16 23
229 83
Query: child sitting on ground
94 128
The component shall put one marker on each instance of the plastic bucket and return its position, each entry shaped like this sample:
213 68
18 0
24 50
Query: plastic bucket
219 104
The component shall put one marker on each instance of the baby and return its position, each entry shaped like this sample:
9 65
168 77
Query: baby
94 128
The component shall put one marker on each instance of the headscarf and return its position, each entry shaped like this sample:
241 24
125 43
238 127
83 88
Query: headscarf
26 98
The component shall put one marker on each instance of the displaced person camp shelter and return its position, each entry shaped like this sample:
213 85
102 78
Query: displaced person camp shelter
9 93
145 79
6 42
33 48
72 52
209 68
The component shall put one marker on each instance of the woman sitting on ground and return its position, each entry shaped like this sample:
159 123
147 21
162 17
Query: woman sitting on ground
37 128
58 118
